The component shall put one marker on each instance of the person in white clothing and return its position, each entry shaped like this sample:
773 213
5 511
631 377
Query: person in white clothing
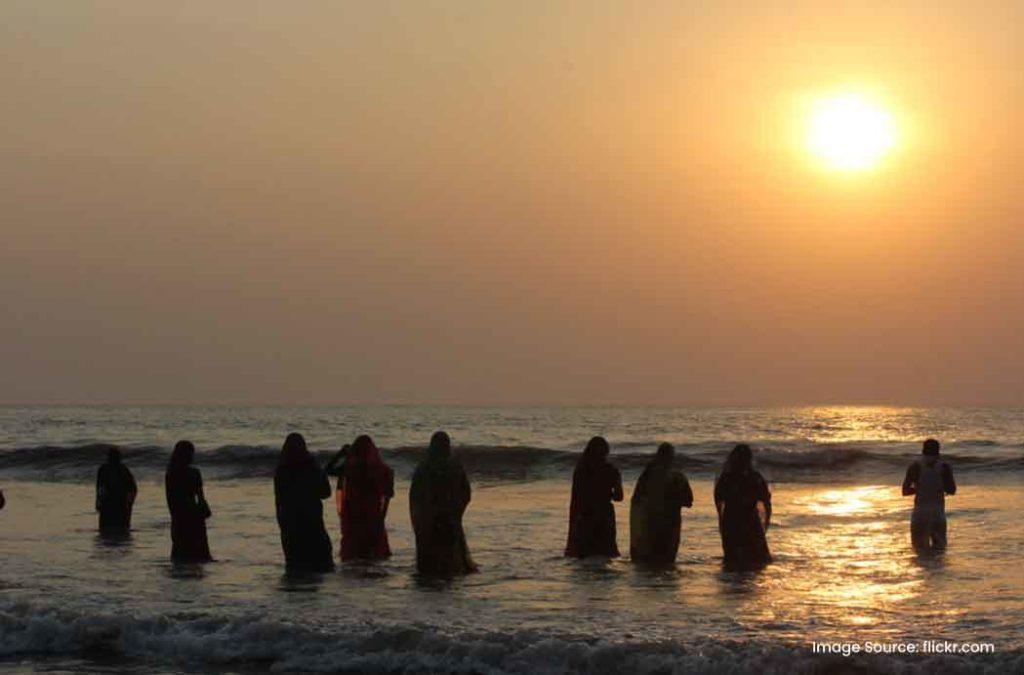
929 479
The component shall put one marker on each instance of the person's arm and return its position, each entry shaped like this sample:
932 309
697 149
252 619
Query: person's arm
617 492
336 467
719 497
910 480
324 485
133 487
687 493
389 492
100 489
948 484
766 499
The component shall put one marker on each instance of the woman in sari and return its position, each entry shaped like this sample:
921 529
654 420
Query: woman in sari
299 487
654 519
438 498
367 485
185 500
115 494
744 507
595 485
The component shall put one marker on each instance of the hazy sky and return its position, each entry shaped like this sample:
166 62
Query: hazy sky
506 202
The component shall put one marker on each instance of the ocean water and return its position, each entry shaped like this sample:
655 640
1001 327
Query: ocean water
71 601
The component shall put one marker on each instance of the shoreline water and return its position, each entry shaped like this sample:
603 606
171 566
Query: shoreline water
843 569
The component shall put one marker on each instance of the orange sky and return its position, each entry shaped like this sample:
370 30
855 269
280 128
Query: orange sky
466 202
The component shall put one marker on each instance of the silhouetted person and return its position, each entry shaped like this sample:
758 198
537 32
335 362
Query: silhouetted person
299 487
929 479
595 485
438 498
366 485
115 494
3 500
654 519
185 500
744 507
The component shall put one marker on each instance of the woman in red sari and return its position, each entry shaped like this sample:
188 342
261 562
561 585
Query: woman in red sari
367 485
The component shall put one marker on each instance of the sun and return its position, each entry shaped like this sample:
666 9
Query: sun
850 132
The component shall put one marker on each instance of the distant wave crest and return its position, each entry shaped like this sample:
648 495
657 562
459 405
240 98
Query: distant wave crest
778 461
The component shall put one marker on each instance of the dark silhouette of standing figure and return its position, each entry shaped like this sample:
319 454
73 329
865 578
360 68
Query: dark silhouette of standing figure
654 519
438 498
115 494
595 485
366 485
299 487
185 500
929 479
744 507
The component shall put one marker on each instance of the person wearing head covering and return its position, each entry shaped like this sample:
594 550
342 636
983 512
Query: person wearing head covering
115 494
654 518
366 485
438 498
929 479
744 507
189 510
299 487
595 485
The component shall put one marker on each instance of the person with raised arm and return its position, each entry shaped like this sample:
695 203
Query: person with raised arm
366 486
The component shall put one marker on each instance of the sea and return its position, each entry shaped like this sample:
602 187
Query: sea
845 593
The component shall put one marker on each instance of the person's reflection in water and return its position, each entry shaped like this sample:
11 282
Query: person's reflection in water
654 518
367 485
299 487
438 498
929 479
595 485
115 495
744 507
189 510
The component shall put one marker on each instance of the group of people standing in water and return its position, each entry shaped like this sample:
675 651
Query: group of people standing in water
440 492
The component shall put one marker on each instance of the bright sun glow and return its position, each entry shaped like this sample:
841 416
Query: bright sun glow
849 132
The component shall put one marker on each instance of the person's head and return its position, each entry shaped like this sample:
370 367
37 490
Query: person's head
183 453
440 445
294 449
362 447
666 452
930 448
740 459
113 456
597 450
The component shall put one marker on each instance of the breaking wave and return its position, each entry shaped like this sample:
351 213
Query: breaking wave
211 642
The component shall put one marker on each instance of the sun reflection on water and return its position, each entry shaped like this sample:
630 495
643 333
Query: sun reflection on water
861 570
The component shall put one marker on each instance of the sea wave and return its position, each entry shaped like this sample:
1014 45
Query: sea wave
779 460
206 641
